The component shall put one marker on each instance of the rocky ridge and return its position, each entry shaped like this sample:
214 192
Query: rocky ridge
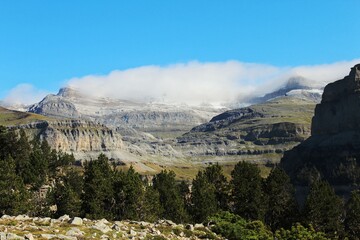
84 139
333 150
23 227
263 130
147 117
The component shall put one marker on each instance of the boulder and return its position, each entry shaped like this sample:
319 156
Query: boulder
76 221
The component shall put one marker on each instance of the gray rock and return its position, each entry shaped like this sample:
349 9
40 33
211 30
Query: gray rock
48 236
199 225
75 232
29 236
189 227
22 217
101 226
12 236
76 221
64 218
60 236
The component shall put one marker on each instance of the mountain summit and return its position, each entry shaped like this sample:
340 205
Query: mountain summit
297 87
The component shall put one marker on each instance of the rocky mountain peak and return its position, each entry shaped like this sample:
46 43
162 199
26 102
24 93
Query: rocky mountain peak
338 110
68 92
297 82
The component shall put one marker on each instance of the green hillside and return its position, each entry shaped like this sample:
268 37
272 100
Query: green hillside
11 118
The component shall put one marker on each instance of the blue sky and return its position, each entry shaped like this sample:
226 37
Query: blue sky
46 43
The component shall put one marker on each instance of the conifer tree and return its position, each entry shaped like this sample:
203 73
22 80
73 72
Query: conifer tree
14 196
67 194
352 220
323 209
281 209
98 193
170 197
203 198
215 176
129 195
22 158
247 192
151 208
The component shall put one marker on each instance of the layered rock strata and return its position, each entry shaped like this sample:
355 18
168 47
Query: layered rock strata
82 138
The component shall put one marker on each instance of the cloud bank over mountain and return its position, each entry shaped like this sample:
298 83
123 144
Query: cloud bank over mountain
193 83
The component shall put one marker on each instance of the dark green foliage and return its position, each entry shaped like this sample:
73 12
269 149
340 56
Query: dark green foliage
281 208
323 209
14 197
203 198
22 159
8 143
352 220
215 176
170 197
151 208
300 232
98 200
129 193
67 194
247 192
233 227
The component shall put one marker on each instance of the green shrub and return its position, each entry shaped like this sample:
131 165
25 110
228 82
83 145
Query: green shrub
233 227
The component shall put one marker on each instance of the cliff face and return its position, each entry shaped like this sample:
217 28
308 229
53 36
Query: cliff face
333 150
83 139
265 130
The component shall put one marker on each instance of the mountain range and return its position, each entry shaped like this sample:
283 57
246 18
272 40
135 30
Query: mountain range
158 134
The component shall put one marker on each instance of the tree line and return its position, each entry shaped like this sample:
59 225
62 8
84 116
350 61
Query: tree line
101 190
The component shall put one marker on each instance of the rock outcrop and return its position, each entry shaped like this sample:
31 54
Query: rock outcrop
263 130
84 139
333 150
23 227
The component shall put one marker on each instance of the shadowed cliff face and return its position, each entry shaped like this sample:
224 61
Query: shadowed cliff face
333 150
340 105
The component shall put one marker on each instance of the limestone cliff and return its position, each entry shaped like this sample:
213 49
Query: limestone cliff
82 138
333 150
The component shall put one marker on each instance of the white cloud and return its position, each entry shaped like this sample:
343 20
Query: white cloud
195 82
24 94
191 83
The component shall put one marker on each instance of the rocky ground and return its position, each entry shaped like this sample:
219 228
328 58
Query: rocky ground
24 227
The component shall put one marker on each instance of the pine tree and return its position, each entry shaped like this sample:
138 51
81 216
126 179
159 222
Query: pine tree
247 192
323 209
67 194
22 158
38 165
151 209
129 195
282 209
14 196
170 197
215 176
352 220
98 193
203 198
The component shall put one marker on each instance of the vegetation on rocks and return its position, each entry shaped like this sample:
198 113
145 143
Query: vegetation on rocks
246 207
